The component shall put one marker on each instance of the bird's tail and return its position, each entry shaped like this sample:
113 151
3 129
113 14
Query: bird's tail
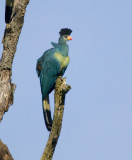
47 113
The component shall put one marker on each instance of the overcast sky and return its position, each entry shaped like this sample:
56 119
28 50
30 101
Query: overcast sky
97 122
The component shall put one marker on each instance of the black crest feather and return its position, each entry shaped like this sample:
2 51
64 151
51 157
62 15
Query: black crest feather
65 31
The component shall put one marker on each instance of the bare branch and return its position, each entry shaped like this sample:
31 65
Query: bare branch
61 88
10 40
4 152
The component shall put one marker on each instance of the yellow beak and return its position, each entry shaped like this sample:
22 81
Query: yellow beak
69 38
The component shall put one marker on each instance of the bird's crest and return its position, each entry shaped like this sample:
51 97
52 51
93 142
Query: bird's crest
65 31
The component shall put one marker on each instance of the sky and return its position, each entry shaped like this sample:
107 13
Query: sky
97 122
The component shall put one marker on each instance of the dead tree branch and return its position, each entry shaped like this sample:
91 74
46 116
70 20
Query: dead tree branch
10 40
61 88
4 152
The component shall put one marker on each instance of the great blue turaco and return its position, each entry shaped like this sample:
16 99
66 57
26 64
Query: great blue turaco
50 66
8 10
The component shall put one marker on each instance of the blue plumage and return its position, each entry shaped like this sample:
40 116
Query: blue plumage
50 66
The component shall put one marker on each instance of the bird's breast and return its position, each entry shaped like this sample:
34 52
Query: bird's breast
63 60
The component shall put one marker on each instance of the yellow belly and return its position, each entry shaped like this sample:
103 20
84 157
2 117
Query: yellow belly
64 61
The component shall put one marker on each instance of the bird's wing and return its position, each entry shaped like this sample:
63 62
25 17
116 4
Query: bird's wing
38 68
41 60
49 73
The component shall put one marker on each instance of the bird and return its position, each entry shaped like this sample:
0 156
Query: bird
52 64
8 10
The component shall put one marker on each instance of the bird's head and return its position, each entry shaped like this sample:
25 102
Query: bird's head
65 35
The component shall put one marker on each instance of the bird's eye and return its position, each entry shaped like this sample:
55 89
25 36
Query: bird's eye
65 36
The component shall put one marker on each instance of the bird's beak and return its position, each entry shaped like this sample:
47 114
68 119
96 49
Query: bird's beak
69 38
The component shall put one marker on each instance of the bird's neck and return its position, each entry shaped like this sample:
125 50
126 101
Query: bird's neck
63 49
61 41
